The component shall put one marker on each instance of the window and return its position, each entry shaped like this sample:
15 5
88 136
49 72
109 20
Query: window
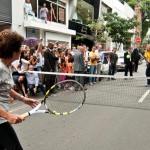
31 32
56 10
34 7
61 15
83 11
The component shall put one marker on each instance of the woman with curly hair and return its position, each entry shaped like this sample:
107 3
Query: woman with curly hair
10 49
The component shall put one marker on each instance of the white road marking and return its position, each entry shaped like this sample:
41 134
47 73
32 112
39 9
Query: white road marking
144 96
18 108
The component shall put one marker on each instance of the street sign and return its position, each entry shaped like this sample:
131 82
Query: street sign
138 40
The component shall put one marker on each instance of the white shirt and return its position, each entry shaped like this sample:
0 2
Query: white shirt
101 55
25 64
32 78
28 7
40 59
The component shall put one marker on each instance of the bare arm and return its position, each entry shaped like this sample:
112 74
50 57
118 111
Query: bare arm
26 100
11 118
24 91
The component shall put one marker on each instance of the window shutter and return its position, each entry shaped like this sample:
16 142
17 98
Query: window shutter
6 11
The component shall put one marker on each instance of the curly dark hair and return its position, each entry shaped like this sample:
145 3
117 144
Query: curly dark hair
10 42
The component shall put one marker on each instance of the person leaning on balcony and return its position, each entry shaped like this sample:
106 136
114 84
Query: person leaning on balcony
43 13
147 56
28 10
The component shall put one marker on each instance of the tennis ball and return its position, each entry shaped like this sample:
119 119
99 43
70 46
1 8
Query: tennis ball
128 56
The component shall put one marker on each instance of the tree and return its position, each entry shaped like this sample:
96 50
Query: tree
97 28
119 29
145 7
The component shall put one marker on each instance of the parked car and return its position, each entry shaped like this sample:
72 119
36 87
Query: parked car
105 65
120 64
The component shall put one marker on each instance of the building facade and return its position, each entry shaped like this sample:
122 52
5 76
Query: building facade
122 9
81 10
66 19
56 28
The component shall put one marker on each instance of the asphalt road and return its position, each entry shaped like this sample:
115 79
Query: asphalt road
93 127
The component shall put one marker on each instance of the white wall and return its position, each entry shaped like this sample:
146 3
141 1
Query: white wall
18 16
128 11
119 8
108 3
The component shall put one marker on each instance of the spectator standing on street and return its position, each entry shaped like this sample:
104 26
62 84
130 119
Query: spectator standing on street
112 61
100 61
93 57
43 13
10 49
147 56
79 65
50 61
128 61
136 57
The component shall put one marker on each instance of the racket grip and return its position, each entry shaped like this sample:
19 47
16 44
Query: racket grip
25 115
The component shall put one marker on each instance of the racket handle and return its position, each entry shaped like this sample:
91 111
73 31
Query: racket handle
25 115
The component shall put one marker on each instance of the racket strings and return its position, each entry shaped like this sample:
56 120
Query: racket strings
66 97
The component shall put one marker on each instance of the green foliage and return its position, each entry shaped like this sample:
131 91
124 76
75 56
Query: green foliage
97 28
119 29
80 38
145 8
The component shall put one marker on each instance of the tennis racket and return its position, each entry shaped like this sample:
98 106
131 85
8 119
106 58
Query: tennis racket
63 98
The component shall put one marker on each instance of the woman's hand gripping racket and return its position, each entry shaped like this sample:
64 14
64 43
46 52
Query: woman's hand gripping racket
63 98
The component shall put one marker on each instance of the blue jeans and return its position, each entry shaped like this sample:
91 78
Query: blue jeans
79 79
112 69
92 71
40 69
40 86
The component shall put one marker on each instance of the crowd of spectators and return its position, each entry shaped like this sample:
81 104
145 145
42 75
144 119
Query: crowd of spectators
53 58
56 58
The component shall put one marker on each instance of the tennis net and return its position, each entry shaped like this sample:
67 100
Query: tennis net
117 91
